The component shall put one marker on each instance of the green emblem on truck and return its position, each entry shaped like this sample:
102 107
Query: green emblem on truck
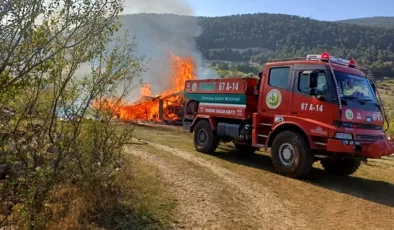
349 114
273 99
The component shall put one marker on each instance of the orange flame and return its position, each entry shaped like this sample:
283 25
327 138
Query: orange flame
147 108
108 105
145 90
182 70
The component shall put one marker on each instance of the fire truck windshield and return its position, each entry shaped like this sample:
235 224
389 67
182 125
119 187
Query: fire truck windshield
354 87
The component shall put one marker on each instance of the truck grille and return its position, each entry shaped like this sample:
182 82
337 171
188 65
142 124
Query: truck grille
363 137
357 125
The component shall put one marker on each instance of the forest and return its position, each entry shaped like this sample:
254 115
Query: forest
387 22
260 37
254 39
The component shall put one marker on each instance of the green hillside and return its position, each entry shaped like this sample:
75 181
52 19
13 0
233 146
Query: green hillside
260 37
387 22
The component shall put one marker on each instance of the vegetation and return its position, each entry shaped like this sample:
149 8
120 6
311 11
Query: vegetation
229 70
387 22
55 62
61 158
259 37
386 89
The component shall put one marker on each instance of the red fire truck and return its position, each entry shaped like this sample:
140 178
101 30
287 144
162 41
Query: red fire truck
307 109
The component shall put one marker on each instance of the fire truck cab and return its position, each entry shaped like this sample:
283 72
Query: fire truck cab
316 108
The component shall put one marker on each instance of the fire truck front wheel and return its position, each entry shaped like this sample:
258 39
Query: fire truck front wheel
291 154
205 139
341 167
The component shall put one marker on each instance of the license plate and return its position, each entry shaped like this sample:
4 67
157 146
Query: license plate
347 142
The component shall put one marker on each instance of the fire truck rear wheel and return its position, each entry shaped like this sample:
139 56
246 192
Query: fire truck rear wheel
205 139
341 167
291 154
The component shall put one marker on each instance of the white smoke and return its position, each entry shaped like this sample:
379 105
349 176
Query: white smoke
158 6
158 33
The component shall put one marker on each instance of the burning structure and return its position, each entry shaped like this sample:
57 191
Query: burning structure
165 107
169 42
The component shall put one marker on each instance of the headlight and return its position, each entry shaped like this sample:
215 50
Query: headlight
344 136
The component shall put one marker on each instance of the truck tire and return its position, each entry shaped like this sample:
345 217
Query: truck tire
341 167
247 149
291 155
205 139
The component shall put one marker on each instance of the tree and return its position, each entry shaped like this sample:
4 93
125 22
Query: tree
60 59
261 37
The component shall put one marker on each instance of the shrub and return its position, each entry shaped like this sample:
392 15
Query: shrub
60 154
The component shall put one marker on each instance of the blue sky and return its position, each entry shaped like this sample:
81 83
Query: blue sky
316 9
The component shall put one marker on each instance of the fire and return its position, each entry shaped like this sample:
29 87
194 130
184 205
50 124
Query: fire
105 104
145 90
182 70
147 108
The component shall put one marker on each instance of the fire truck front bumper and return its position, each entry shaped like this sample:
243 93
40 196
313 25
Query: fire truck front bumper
370 150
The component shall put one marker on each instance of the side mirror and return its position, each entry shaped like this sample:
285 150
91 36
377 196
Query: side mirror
373 87
312 83
313 92
260 75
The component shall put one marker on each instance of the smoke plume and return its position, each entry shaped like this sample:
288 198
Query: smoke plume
158 6
159 29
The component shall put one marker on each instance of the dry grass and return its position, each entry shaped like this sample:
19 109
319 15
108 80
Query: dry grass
209 196
139 200
364 200
153 205
190 185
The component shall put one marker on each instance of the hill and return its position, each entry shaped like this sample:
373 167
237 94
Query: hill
259 37
387 22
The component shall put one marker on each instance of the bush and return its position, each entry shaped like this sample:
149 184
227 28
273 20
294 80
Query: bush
62 173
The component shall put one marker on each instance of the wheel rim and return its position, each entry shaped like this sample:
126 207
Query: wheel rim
286 154
202 136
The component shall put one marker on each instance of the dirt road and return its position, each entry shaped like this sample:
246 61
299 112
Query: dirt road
231 191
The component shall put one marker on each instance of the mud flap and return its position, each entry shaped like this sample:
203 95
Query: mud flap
186 124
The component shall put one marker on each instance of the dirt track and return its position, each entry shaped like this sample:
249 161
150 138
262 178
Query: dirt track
214 193
196 207
199 209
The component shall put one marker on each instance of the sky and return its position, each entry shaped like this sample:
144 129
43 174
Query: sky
317 9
